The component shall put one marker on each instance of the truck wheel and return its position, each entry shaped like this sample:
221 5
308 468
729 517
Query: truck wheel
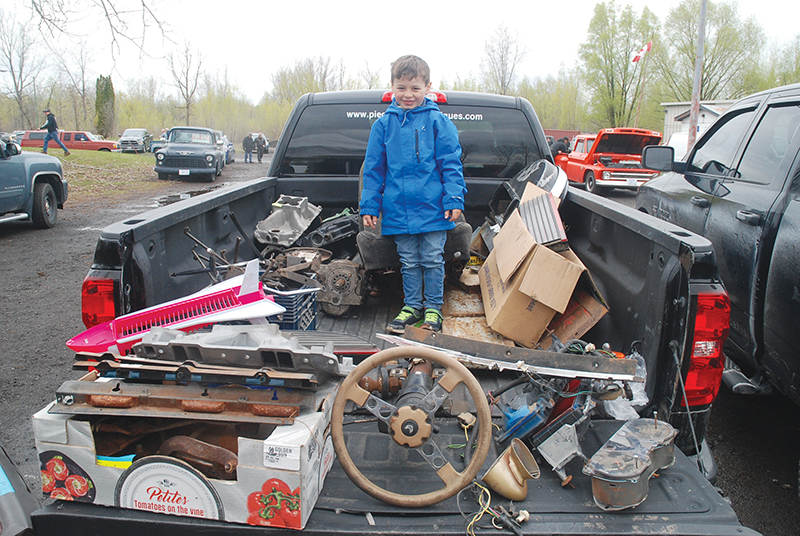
163 176
591 183
45 206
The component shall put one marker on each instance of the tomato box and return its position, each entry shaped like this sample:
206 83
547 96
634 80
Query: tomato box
278 474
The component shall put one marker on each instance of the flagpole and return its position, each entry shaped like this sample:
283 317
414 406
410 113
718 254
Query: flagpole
641 94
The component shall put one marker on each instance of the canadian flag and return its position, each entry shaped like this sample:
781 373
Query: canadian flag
645 49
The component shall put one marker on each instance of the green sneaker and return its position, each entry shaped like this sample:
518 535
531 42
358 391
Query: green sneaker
433 320
407 316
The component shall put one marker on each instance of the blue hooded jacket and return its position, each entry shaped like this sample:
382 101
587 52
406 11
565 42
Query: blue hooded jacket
412 170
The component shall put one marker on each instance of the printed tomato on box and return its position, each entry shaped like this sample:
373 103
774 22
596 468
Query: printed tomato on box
64 479
275 505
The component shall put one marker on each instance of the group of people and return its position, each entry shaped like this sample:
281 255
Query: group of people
257 145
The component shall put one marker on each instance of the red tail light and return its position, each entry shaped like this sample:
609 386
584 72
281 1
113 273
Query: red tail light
710 331
435 96
98 301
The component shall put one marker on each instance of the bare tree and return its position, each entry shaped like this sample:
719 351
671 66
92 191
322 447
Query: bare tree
126 20
185 69
499 65
23 66
74 66
370 78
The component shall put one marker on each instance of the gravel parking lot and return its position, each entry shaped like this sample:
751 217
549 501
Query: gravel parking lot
755 440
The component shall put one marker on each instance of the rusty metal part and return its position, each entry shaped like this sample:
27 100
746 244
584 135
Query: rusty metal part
203 406
480 354
410 427
273 405
111 401
377 384
211 460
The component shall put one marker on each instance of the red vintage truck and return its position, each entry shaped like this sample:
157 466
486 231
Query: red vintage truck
611 158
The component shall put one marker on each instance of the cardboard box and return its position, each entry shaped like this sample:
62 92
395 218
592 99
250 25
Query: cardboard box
278 479
525 284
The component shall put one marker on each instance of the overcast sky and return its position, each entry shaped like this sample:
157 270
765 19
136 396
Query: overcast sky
252 39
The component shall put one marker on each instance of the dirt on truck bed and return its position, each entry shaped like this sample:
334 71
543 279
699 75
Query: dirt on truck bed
42 272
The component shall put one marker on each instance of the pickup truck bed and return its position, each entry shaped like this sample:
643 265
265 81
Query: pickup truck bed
681 500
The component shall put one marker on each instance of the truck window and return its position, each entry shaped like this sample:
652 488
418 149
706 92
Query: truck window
496 142
66 137
767 147
714 155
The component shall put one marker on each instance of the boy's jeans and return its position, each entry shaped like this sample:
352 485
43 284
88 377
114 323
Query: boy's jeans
422 258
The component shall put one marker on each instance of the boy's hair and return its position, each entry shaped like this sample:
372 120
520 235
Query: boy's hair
410 67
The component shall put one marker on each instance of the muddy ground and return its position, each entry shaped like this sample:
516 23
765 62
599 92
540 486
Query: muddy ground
755 440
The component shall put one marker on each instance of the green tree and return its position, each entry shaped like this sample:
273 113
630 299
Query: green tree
308 76
558 101
732 52
105 107
615 84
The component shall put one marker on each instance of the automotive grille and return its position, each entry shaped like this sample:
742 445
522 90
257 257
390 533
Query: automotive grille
620 175
185 162
129 144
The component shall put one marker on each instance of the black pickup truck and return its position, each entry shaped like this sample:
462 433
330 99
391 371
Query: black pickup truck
660 283
739 188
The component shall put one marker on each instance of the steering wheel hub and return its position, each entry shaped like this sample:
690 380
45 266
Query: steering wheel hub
410 426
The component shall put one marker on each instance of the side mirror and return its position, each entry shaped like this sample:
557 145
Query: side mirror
658 157
13 149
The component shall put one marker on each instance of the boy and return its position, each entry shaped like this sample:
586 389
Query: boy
413 177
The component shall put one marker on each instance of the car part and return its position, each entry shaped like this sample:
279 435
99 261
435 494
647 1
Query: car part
510 472
622 468
239 298
246 346
559 441
290 217
411 425
343 286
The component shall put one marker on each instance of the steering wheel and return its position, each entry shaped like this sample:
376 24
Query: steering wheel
412 426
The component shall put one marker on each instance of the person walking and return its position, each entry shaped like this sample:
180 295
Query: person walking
52 132
261 146
248 145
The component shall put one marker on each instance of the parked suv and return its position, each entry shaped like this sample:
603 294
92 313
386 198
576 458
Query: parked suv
32 186
739 186
135 139
190 151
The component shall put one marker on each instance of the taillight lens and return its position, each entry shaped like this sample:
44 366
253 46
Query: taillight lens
711 327
97 301
435 96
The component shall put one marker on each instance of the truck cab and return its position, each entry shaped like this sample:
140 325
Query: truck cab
739 188
32 186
